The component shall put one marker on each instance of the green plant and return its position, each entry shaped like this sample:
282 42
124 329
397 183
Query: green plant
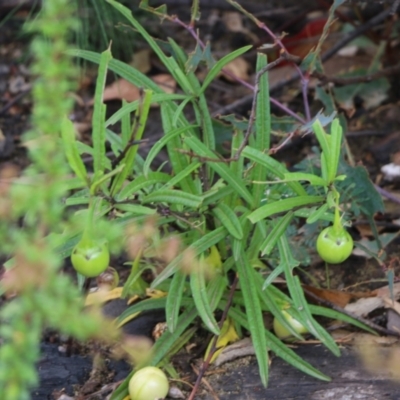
148 383
218 208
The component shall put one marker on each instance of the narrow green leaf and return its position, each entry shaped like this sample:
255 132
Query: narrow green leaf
272 276
281 206
216 288
254 315
263 128
317 214
99 113
216 69
198 247
122 69
178 160
102 178
199 293
174 300
279 348
303 313
144 305
160 144
278 230
336 143
326 312
273 303
228 218
129 159
173 197
221 169
127 13
71 150
163 345
142 182
273 166
135 209
302 176
183 174
127 109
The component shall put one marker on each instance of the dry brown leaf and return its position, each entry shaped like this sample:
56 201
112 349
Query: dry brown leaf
233 21
238 67
394 305
121 90
166 82
336 297
141 60
365 306
124 90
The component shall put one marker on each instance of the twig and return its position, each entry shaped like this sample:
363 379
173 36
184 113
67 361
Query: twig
205 381
213 348
286 56
14 100
387 194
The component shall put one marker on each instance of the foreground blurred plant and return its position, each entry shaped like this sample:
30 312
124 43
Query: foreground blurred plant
31 208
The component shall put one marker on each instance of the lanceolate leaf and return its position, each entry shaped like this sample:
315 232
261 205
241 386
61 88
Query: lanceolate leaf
142 182
198 247
160 144
173 197
99 113
216 69
254 315
174 300
229 219
273 166
282 205
221 169
263 128
279 348
278 230
199 293
71 150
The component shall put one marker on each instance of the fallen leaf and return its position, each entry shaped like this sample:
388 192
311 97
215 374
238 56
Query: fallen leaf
121 89
239 68
336 297
141 60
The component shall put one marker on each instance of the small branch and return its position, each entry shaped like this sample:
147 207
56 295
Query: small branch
387 194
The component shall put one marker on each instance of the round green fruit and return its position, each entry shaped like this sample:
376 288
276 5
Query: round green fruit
90 258
282 332
148 383
334 245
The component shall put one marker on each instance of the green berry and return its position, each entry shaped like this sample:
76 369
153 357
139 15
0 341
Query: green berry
90 258
281 332
148 383
334 245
